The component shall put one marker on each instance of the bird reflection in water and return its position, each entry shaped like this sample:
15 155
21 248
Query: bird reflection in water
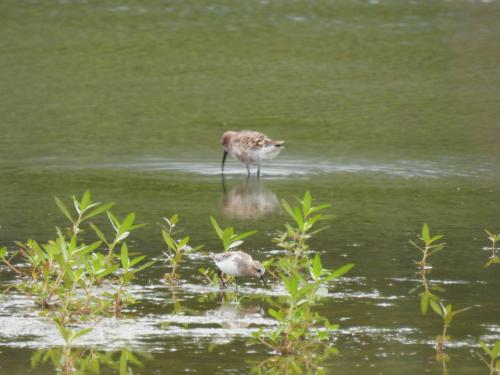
248 200
236 315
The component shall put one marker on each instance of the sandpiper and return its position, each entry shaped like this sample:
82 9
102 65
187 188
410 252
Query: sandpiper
237 264
249 147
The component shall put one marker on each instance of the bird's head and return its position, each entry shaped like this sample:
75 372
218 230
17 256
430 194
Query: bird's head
260 270
225 141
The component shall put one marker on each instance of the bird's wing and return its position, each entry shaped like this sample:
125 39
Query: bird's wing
251 140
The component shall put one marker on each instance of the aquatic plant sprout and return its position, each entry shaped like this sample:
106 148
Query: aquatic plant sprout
494 354
176 249
61 275
301 333
429 248
494 258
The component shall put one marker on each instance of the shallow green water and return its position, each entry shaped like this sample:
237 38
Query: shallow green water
389 110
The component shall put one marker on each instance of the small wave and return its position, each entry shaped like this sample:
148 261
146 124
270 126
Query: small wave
281 168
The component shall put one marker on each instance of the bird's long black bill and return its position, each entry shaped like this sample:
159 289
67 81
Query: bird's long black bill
224 156
263 280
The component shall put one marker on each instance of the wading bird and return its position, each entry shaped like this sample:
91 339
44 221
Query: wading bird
237 264
249 147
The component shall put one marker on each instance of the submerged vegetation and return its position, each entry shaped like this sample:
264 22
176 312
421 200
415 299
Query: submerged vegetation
301 332
494 356
428 248
494 258
75 281
429 297
176 249
72 281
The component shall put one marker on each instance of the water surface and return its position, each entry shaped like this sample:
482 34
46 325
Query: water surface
389 111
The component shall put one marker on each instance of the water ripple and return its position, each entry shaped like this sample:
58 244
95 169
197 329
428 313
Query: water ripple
277 169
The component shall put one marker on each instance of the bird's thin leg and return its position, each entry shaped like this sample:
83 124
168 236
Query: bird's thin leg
258 171
248 170
224 285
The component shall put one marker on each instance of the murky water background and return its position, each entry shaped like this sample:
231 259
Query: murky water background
389 110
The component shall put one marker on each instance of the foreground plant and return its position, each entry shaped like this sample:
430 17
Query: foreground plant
494 258
305 363
447 314
66 360
230 239
176 249
82 361
63 273
428 291
295 238
429 247
85 209
301 334
494 354
300 329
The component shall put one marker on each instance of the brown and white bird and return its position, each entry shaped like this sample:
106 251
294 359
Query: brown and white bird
237 264
249 147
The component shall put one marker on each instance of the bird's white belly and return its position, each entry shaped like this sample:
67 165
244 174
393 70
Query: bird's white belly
229 266
262 154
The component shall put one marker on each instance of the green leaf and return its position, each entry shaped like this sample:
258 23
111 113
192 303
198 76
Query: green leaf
227 235
496 349
338 272
124 257
76 204
133 359
136 260
436 238
233 245
306 203
425 233
299 219
319 208
287 208
84 203
144 266
424 303
114 221
123 363
292 285
127 222
317 268
195 249
168 240
63 209
65 332
318 230
3 252
448 309
486 348
244 235
99 233
134 227
437 307
216 226
182 243
122 236
276 315
81 333
98 210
